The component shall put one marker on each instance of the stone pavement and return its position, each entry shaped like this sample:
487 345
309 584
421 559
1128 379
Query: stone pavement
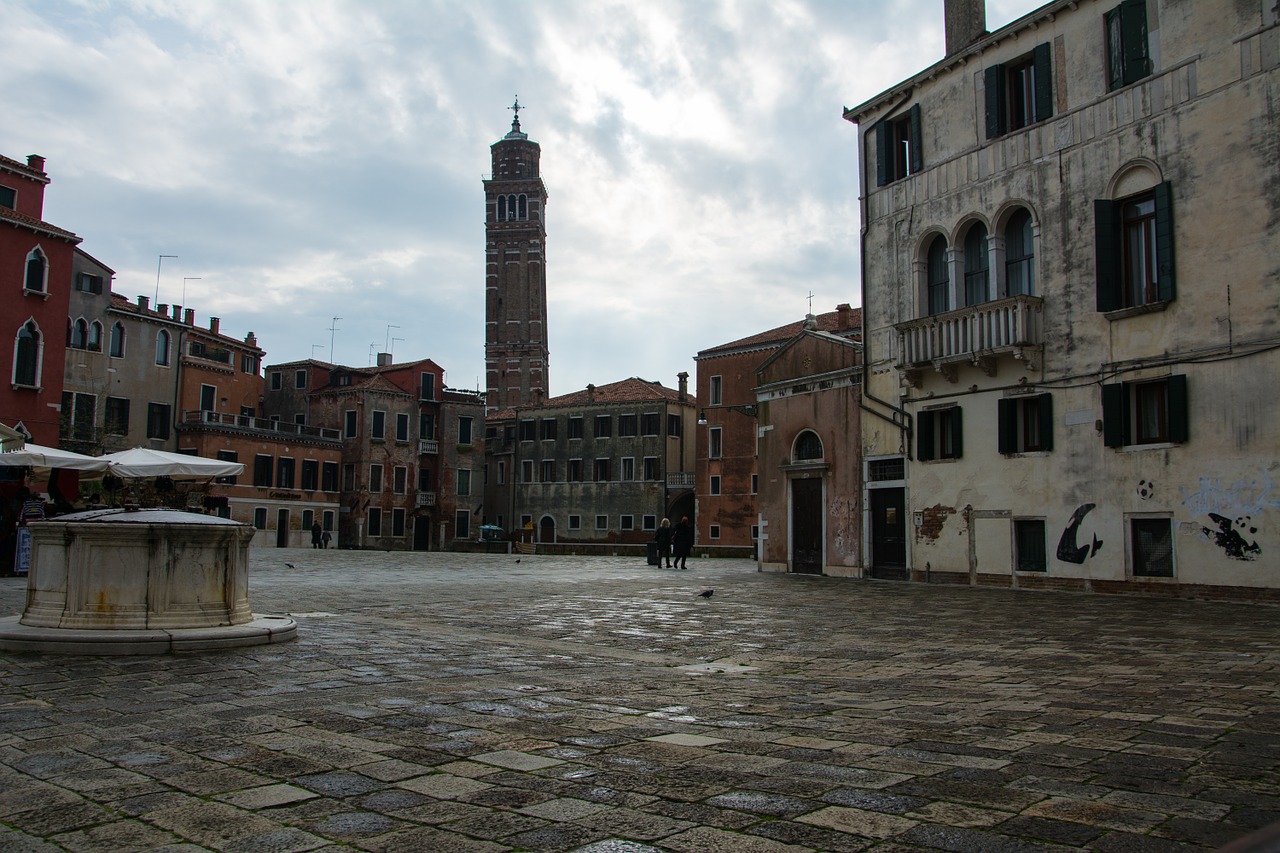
441 702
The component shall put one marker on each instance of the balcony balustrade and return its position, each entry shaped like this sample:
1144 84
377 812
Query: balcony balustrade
977 334
427 445
680 479
426 498
248 424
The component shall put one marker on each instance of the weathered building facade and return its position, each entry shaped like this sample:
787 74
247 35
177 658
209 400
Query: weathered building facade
1070 284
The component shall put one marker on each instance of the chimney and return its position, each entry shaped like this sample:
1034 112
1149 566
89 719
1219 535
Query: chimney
189 316
591 392
384 359
177 312
844 314
214 323
966 21
251 339
162 308
683 376
143 302
36 162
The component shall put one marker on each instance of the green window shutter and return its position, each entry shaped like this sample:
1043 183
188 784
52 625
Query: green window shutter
1115 415
1046 421
924 436
1164 242
1044 82
1179 420
1115 49
881 131
1133 26
997 122
917 139
1107 255
1007 426
957 433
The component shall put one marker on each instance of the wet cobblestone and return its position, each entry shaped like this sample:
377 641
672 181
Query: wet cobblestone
467 702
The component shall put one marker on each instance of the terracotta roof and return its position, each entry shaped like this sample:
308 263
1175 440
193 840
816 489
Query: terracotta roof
828 322
13 217
9 164
121 303
633 390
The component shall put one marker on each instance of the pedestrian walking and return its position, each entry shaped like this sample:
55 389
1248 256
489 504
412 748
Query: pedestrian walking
682 542
326 539
316 533
663 538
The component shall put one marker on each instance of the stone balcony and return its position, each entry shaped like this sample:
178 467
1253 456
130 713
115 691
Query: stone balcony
247 424
427 445
977 334
426 498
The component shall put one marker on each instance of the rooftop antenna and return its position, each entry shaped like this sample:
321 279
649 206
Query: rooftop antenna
386 347
332 329
160 263
810 301
313 350
392 350
373 349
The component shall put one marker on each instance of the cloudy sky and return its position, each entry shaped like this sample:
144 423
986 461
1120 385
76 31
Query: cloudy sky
312 159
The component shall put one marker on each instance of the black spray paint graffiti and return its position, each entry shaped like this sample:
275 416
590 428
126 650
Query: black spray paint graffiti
1228 538
1068 551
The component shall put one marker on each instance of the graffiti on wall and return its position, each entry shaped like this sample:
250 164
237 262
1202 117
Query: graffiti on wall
1068 549
1230 536
1232 507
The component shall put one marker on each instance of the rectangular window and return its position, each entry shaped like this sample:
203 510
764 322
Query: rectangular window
299 419
502 473
548 429
673 426
1150 412
651 471
528 430
604 426
464 482
1019 93
462 524
628 468
262 466
1151 547
602 471
715 531
1133 241
628 425
755 484
277 381
117 416
158 420
602 522
526 470
575 471
208 398
85 282
649 522
424 479
464 430
310 475
575 522
284 473
938 434
715 448
715 484
329 477
308 518
1126 31
548 470
575 427
375 478
249 364
716 390
400 479
898 147
78 416
348 477
378 427
650 423
228 456
375 521
351 418
1025 424
402 426
260 518
1028 545
627 522
397 522
300 379
427 386
8 197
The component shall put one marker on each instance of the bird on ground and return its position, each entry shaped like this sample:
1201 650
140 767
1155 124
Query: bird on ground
517 559
706 593
290 565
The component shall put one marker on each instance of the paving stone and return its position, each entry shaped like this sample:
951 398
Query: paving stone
515 760
708 840
443 786
267 796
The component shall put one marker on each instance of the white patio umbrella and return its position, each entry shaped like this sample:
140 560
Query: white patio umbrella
37 456
144 462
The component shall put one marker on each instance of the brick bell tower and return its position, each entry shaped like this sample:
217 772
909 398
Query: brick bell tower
515 335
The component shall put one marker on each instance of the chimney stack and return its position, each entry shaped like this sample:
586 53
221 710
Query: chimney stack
591 392
843 317
966 22
36 162
162 308
683 376
214 323
251 339
189 316
384 359
177 312
143 301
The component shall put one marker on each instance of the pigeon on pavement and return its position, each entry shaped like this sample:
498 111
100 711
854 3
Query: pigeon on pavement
707 593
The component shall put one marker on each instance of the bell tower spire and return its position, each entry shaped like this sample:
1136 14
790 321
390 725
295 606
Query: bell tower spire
515 272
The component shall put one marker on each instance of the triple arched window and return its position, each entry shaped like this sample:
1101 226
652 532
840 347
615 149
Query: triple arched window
985 264
513 207
84 335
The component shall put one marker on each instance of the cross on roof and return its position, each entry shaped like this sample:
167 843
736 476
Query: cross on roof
516 108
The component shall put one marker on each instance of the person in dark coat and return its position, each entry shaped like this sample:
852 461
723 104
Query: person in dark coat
316 533
682 542
663 538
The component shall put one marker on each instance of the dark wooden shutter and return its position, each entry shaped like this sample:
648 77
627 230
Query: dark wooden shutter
1133 25
1107 255
917 139
1044 82
1165 285
1007 425
881 131
1115 415
924 436
1179 420
997 123
957 433
1046 421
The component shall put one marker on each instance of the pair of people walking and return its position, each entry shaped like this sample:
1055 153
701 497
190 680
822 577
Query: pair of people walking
678 539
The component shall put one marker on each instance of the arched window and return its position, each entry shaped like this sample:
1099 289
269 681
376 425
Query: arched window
37 271
939 280
117 341
1019 258
976 265
502 208
524 207
511 207
26 355
79 334
94 341
162 347
808 446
